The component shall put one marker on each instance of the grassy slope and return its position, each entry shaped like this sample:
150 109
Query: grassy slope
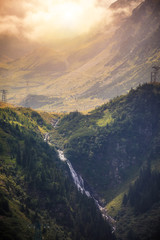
17 221
122 61
35 187
111 144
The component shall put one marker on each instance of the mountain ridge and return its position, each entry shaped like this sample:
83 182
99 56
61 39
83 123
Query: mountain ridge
110 146
102 67
37 195
113 147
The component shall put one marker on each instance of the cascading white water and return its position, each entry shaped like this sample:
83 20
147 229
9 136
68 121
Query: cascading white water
78 180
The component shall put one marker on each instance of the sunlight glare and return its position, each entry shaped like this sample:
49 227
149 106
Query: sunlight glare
68 14
60 19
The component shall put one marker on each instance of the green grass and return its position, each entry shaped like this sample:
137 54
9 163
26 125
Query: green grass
34 184
107 119
115 195
110 145
114 206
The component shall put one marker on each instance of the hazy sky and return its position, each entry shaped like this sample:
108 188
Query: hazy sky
47 20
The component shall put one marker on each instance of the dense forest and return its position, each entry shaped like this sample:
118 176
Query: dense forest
139 214
111 147
144 192
37 195
115 148
115 138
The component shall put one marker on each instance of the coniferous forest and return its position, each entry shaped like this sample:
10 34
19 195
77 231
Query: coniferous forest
116 149
80 120
112 147
36 188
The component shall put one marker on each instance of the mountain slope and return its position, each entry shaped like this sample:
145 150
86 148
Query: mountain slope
37 196
99 68
110 145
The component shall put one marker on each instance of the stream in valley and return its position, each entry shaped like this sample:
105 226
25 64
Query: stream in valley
79 182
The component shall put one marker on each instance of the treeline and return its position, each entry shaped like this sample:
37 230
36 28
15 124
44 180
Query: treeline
144 192
108 143
39 186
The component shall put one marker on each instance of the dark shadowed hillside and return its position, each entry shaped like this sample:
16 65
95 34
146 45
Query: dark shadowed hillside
37 195
109 147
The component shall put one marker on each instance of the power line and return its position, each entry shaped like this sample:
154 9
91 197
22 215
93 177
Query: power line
4 95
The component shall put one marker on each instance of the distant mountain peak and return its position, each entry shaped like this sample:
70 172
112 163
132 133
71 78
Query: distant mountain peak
125 3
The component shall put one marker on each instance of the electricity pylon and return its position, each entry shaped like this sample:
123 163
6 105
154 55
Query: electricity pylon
154 73
4 95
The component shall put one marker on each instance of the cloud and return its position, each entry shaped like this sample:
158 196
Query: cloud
49 20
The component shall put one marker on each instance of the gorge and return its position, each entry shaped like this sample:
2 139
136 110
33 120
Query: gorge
80 120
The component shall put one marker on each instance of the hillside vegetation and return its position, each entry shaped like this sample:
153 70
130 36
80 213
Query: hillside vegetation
37 195
109 147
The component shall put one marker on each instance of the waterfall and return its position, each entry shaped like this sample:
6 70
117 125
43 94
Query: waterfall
79 182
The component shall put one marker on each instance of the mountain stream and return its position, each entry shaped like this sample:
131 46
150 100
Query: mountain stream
79 182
